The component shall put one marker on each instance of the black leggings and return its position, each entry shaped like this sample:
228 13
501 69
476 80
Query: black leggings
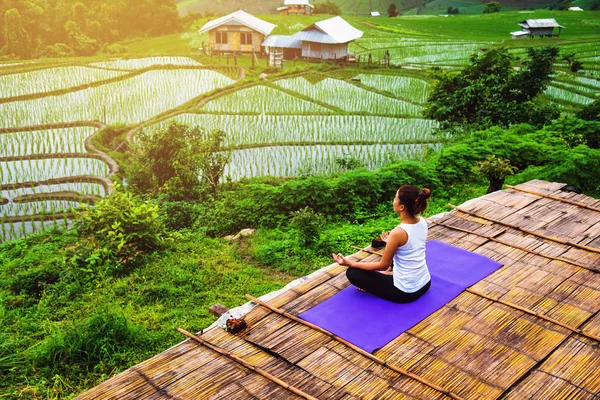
382 285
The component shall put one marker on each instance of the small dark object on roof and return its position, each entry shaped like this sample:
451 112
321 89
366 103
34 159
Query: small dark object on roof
235 325
377 243
571 189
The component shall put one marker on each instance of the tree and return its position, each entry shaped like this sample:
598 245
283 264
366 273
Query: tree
169 161
392 12
327 7
494 169
213 159
18 42
492 7
452 10
590 112
490 92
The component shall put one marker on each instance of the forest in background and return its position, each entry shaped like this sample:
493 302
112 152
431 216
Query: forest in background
52 28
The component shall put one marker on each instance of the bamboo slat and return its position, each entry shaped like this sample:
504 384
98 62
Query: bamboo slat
251 367
575 203
538 315
545 386
299 378
554 239
525 249
578 362
363 352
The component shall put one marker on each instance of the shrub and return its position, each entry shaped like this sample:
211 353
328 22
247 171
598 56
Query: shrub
117 231
106 340
308 224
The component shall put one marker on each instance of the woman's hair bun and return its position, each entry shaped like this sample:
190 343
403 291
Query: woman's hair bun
425 194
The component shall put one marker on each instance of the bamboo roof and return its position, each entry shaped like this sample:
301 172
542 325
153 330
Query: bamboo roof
530 330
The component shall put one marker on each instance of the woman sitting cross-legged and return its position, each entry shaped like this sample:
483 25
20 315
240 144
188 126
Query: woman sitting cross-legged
405 246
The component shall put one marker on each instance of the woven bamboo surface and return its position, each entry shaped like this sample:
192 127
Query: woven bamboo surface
509 336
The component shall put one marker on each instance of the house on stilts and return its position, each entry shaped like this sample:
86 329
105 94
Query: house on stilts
237 32
325 40
296 7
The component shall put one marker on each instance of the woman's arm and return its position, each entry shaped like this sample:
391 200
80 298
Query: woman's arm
398 237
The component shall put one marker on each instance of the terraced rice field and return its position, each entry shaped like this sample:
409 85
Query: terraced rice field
52 79
348 97
141 63
292 125
129 101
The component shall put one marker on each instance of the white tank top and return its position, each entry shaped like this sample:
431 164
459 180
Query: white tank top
410 267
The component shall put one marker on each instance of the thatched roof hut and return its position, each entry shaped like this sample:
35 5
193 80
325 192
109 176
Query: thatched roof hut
530 330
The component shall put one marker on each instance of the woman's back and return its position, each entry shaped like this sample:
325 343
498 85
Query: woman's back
410 267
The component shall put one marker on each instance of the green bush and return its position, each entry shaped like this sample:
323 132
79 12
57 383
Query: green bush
578 167
104 341
308 224
116 232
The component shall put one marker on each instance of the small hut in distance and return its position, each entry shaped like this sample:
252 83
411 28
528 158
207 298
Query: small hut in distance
326 40
296 7
538 27
237 32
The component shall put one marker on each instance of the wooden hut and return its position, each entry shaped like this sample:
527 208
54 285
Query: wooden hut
328 39
281 47
530 330
237 32
296 7
540 27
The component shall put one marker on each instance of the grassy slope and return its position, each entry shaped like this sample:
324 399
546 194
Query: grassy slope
356 7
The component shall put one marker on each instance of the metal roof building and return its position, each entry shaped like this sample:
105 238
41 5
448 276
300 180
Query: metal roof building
541 27
331 31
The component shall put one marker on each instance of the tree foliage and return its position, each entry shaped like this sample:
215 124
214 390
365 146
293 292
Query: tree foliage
490 92
327 7
169 161
495 170
392 12
590 112
83 26
18 42
492 7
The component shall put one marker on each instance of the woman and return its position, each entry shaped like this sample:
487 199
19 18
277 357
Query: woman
409 279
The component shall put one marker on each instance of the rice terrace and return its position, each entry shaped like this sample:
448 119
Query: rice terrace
70 121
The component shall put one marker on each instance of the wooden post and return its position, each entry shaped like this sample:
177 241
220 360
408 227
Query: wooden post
370 58
358 62
227 58
235 58
218 309
253 55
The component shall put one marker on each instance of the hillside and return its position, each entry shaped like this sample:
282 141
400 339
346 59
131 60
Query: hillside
363 7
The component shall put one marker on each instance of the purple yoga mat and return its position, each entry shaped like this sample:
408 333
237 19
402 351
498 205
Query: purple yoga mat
370 322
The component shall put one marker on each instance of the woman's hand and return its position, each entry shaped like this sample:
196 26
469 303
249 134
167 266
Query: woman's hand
384 236
340 259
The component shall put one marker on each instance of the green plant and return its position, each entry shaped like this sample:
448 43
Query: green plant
116 232
492 7
308 224
490 92
347 163
494 169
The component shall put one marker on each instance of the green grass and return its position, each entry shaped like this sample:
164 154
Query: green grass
358 7
171 289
